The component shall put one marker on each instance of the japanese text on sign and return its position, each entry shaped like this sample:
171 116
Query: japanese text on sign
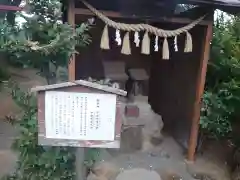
80 116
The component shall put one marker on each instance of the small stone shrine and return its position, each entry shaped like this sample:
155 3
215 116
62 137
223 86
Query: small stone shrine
141 133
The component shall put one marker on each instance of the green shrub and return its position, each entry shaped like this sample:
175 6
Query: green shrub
214 117
34 161
221 99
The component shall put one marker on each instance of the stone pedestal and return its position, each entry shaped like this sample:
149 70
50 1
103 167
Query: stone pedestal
141 126
141 130
131 139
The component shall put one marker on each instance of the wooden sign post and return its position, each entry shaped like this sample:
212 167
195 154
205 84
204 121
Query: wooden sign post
79 114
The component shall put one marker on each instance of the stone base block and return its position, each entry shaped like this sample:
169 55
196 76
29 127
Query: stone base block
131 111
131 139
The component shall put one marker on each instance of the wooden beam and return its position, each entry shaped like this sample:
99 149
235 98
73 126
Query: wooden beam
199 92
71 21
80 152
82 11
113 14
10 8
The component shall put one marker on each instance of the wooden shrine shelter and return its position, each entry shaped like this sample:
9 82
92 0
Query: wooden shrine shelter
176 75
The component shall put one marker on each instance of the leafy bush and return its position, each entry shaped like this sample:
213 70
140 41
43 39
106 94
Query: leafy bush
214 119
43 42
221 100
37 162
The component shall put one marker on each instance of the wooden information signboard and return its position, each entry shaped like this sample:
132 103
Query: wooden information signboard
79 114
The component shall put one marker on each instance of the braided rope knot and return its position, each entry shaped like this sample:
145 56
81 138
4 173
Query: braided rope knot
158 32
142 27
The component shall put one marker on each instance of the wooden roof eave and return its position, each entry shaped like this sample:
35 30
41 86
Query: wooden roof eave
80 83
114 14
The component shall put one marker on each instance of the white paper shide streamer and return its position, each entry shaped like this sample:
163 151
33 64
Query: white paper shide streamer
156 44
127 29
118 37
136 39
175 44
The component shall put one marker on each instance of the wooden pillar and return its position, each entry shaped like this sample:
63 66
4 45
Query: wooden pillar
80 169
199 92
71 21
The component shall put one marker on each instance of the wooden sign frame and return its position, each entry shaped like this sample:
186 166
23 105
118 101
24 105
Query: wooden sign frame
43 140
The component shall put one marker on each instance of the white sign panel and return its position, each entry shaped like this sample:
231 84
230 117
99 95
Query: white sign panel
80 116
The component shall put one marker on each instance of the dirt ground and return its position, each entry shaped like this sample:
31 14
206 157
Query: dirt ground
173 160
168 161
26 79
